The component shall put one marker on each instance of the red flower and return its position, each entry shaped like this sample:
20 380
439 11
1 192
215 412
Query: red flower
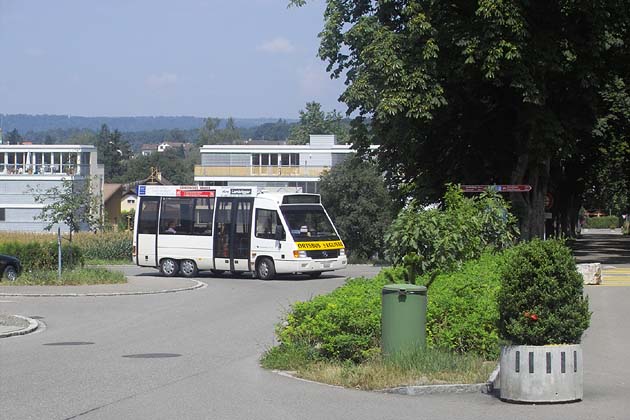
534 317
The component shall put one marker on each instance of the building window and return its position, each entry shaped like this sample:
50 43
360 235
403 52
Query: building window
2 216
275 159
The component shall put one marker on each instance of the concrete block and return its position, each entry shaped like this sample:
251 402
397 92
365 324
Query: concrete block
591 273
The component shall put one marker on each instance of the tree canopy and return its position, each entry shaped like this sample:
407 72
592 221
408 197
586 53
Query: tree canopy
357 200
313 120
484 92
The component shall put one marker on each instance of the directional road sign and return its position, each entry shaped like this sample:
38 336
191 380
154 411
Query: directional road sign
499 188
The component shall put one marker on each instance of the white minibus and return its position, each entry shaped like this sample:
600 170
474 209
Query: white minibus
184 229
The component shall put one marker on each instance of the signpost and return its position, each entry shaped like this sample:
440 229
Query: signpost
498 188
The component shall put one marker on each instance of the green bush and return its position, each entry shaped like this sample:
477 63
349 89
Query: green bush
604 222
105 245
43 255
541 299
462 310
437 240
344 324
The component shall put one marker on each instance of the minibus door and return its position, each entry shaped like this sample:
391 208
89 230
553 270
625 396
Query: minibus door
232 238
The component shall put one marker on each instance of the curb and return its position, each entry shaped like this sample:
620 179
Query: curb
198 285
484 388
32 326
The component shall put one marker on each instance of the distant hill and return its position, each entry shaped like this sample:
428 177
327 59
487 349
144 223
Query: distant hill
34 123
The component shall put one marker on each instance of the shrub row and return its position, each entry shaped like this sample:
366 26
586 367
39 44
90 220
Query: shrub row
462 314
43 255
108 245
604 222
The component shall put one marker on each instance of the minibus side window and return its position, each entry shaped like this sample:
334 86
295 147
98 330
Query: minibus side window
147 222
267 222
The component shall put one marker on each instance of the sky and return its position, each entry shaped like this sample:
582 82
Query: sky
219 58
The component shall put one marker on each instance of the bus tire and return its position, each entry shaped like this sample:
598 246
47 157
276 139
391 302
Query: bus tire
314 274
188 268
265 270
169 267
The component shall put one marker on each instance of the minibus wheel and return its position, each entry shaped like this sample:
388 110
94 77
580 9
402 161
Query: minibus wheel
188 268
169 267
265 270
314 274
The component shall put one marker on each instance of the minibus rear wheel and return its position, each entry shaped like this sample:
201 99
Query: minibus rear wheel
188 268
265 270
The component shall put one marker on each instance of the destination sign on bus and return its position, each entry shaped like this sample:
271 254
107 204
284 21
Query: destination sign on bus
193 193
308 246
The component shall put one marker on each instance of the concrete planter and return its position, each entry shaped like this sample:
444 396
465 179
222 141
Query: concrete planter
541 374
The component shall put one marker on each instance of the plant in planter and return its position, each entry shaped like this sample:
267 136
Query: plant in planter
543 313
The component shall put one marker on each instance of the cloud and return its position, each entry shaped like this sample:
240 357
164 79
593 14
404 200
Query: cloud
277 45
162 80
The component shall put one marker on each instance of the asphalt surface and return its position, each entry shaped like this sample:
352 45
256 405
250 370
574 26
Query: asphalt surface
194 355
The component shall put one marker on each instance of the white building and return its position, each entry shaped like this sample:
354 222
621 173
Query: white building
271 165
28 168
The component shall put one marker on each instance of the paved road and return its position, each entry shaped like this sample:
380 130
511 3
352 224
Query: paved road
194 355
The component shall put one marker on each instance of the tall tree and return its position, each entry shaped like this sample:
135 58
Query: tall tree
480 91
13 137
208 131
112 151
313 120
357 200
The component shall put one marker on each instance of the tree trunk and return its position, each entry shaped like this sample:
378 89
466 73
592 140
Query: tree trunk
530 207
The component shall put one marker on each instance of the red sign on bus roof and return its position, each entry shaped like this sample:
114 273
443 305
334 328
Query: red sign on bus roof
194 193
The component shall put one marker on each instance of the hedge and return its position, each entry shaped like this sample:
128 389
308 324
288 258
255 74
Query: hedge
462 310
604 222
43 255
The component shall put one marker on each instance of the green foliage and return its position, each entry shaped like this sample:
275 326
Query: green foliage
604 222
112 151
343 325
356 199
441 240
315 121
177 170
127 218
43 255
210 133
485 91
74 204
541 299
105 245
462 313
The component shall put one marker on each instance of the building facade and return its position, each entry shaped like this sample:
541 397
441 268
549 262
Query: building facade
272 166
27 169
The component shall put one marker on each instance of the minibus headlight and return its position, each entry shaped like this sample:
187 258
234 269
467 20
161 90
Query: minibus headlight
299 254
342 252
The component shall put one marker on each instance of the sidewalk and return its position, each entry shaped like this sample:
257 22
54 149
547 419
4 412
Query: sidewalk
604 246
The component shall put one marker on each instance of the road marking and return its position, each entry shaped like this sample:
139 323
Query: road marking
616 277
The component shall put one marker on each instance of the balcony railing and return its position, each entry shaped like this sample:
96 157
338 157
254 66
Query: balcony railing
261 171
44 169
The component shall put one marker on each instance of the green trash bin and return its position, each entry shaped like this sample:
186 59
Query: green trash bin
403 318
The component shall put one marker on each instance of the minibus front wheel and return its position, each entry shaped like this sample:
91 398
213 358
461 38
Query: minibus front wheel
265 270
169 267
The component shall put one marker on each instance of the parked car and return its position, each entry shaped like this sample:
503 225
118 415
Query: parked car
10 267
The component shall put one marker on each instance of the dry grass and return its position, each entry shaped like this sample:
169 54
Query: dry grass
424 367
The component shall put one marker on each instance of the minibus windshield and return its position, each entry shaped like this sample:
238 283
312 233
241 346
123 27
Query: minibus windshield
308 223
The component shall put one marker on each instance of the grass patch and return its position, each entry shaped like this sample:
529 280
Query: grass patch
78 276
423 367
